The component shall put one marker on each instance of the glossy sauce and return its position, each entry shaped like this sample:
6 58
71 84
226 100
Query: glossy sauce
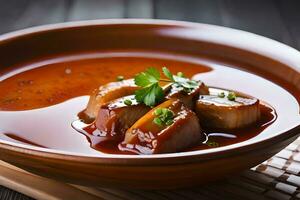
213 137
38 105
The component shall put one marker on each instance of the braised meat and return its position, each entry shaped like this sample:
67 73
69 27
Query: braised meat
107 93
219 111
115 117
147 137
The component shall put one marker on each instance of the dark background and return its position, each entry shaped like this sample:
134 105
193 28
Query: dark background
276 19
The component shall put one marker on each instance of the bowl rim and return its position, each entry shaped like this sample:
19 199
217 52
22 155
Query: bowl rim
290 58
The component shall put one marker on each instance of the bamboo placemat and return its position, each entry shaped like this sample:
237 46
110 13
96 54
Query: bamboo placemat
276 178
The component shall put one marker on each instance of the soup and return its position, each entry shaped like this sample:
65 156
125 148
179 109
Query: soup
41 103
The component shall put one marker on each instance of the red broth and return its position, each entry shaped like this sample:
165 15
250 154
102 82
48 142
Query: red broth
39 102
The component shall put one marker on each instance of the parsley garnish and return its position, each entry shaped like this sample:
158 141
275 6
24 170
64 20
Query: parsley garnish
231 96
180 81
180 74
127 102
164 116
151 93
168 74
221 94
120 78
186 84
212 144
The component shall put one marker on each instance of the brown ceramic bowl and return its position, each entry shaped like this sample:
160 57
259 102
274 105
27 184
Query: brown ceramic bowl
254 53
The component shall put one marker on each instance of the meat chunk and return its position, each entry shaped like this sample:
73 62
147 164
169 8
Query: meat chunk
188 98
146 137
115 117
107 93
217 111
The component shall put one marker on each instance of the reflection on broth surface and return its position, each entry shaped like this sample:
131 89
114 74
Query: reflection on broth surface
54 83
39 105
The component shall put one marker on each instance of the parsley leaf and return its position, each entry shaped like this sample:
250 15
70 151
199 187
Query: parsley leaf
180 81
154 96
168 74
186 84
164 116
151 93
157 121
147 78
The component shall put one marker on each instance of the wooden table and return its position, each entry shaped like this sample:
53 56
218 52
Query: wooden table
276 19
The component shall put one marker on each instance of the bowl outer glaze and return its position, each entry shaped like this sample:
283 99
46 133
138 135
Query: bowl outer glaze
156 171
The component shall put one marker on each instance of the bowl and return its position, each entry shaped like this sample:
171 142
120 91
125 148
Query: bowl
270 59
